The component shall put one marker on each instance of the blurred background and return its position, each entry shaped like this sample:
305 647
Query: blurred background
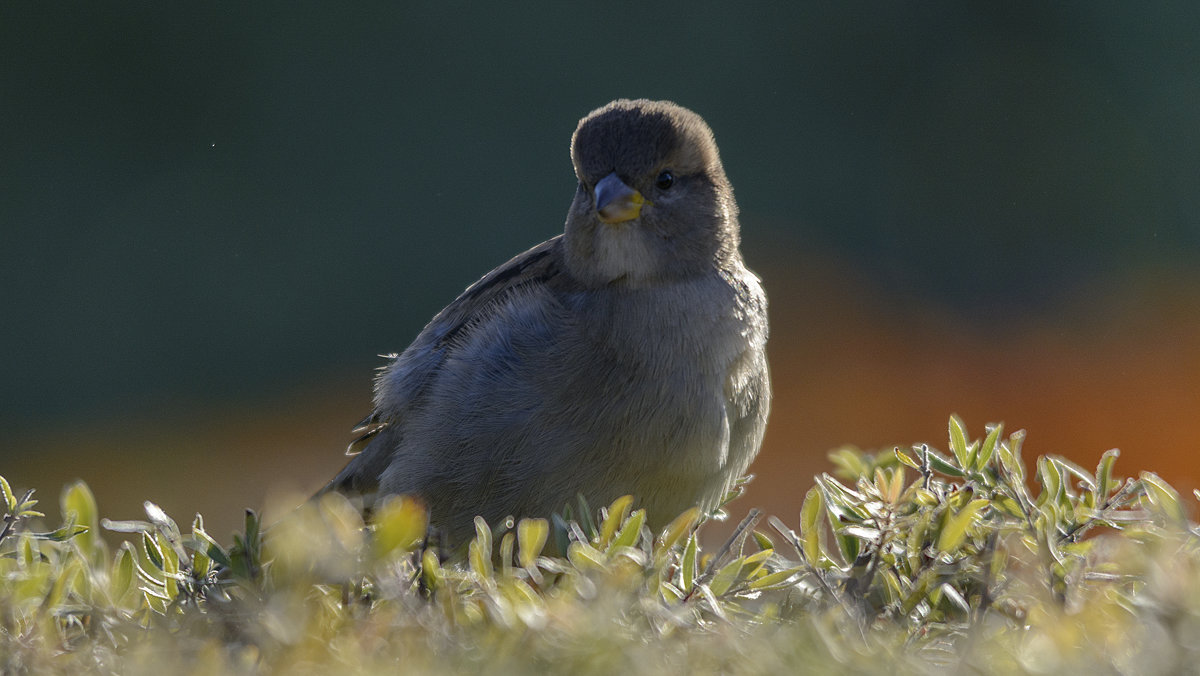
214 216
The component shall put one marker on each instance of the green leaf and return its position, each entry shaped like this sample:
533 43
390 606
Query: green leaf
1163 496
958 442
78 504
25 506
28 552
861 532
171 567
153 594
587 517
400 524
780 578
725 577
763 541
1050 477
60 534
431 570
687 565
955 531
152 577
759 556
617 512
915 540
10 500
252 540
507 543
891 586
1068 467
153 551
483 535
755 564
531 540
851 461
848 546
561 530
123 570
480 559
203 543
585 557
905 458
670 593
955 598
1104 481
918 592
682 525
62 582
942 465
838 493
628 534
988 449
78 501
1015 441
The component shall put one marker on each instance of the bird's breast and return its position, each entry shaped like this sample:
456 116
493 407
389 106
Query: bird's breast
662 363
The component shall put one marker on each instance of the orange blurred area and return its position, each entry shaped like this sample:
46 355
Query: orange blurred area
851 364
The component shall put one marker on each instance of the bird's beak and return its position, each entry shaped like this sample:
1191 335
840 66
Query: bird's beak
617 202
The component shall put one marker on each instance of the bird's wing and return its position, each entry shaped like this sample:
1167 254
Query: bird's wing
402 382
537 266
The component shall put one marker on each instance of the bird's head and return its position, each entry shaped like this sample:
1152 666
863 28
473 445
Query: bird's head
653 201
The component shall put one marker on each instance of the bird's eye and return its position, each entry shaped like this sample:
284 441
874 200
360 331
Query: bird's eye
665 180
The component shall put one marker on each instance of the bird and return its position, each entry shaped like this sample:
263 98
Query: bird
624 356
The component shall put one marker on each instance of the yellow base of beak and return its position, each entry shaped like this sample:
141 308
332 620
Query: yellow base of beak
616 202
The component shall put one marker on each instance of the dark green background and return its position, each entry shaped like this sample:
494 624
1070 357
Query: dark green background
205 201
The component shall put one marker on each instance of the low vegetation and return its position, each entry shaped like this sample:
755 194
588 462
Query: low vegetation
906 561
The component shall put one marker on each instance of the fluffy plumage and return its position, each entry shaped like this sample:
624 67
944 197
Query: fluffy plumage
623 356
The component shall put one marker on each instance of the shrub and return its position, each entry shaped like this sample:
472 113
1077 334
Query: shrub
904 561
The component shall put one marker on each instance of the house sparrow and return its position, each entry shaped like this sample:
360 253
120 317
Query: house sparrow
624 356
